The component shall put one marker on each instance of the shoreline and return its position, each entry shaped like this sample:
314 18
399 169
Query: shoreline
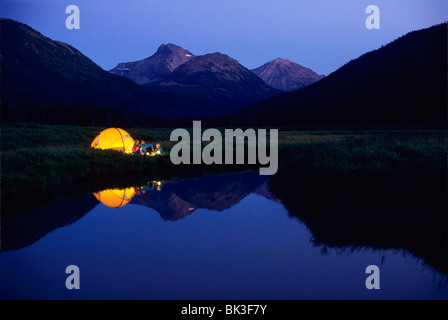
42 158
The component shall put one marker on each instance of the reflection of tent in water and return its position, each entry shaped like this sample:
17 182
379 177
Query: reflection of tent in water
113 138
115 198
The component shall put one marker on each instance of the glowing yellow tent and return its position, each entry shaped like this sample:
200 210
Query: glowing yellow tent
113 138
115 198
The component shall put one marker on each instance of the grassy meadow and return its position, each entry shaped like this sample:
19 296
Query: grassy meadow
380 150
41 158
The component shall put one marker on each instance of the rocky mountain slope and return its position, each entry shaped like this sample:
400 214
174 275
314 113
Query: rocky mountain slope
285 75
157 67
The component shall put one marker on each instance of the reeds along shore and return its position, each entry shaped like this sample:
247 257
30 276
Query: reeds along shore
41 157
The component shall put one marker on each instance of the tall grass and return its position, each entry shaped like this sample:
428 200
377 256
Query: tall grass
367 151
39 157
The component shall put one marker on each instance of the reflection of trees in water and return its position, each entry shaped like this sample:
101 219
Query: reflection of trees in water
345 214
400 211
417 263
22 228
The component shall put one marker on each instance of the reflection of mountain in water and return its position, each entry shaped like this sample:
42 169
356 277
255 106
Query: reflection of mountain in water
388 211
179 198
405 210
173 200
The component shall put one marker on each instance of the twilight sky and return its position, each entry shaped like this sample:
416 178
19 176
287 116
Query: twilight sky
320 34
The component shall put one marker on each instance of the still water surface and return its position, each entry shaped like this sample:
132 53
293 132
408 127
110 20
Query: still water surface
216 237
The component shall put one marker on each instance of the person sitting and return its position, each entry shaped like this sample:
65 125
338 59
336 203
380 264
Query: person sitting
135 147
140 150
158 149
146 147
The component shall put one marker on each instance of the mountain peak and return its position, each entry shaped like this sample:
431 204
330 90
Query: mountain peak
170 48
286 75
282 60
217 68
157 67
217 58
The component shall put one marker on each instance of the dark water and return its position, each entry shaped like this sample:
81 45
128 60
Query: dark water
234 236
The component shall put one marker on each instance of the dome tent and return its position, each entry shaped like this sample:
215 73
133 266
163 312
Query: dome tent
115 198
113 138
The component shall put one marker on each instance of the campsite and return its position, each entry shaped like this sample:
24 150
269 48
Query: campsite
62 159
